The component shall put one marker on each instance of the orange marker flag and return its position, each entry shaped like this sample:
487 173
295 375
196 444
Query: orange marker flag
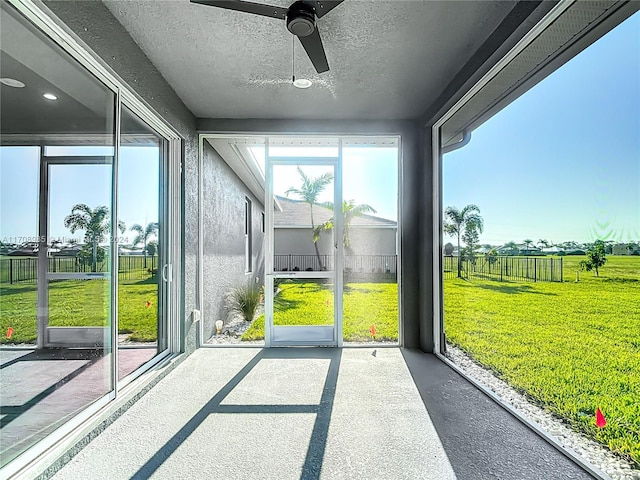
148 304
9 332
372 329
600 420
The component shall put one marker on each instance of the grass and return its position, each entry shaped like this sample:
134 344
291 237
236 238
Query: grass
80 303
365 304
571 347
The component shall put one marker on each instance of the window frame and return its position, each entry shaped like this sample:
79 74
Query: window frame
67 434
248 236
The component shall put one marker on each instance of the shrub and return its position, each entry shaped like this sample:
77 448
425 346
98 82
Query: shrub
244 301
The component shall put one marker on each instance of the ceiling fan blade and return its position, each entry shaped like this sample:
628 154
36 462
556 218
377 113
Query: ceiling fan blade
248 7
322 7
313 46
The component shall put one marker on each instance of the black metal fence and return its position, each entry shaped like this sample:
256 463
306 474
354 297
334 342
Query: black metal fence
356 267
25 269
536 269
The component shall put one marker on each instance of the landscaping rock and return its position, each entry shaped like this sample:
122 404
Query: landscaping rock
594 453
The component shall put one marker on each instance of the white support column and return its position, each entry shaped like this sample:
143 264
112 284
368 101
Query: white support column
112 342
268 258
339 248
43 267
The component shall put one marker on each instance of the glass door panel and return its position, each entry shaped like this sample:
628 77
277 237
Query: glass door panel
301 309
370 242
142 331
304 302
77 290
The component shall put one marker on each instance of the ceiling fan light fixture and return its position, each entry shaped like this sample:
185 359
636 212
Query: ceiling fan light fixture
301 21
302 83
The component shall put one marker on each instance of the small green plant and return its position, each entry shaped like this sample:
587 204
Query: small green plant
596 257
244 301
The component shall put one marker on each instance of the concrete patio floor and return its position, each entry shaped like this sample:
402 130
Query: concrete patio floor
310 413
41 389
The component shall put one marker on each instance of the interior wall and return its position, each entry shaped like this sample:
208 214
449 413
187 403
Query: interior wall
224 240
94 24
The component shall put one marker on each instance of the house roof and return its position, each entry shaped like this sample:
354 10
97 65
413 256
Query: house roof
297 213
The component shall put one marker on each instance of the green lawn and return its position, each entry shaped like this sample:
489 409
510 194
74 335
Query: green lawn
80 303
570 347
365 304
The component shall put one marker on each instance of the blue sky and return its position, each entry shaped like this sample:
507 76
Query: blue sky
370 175
70 185
562 162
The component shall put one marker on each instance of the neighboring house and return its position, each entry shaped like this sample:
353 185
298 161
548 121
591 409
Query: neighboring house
369 236
625 249
68 251
520 249
27 249
553 251
130 251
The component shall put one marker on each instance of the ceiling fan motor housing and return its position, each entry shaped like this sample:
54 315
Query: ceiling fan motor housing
301 20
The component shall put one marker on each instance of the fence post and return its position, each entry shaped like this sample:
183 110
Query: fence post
500 269
561 271
11 271
535 269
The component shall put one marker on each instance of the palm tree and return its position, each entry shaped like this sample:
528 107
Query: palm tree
96 225
349 211
513 248
309 191
458 221
543 243
143 235
528 242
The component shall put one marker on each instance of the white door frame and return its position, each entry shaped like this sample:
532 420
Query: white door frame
312 334
64 336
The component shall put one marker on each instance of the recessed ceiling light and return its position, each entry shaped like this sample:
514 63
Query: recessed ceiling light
11 82
49 96
302 83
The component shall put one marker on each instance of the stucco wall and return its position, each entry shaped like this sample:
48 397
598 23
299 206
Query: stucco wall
224 240
299 241
364 241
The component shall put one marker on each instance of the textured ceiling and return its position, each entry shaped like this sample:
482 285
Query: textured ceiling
388 59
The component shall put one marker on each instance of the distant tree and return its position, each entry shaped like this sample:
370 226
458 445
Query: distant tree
349 211
143 236
152 248
511 245
570 245
96 225
596 257
528 242
608 248
309 192
448 248
542 243
471 238
458 221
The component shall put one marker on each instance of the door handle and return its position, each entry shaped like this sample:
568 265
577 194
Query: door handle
165 268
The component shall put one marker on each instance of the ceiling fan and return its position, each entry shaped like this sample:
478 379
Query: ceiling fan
300 17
